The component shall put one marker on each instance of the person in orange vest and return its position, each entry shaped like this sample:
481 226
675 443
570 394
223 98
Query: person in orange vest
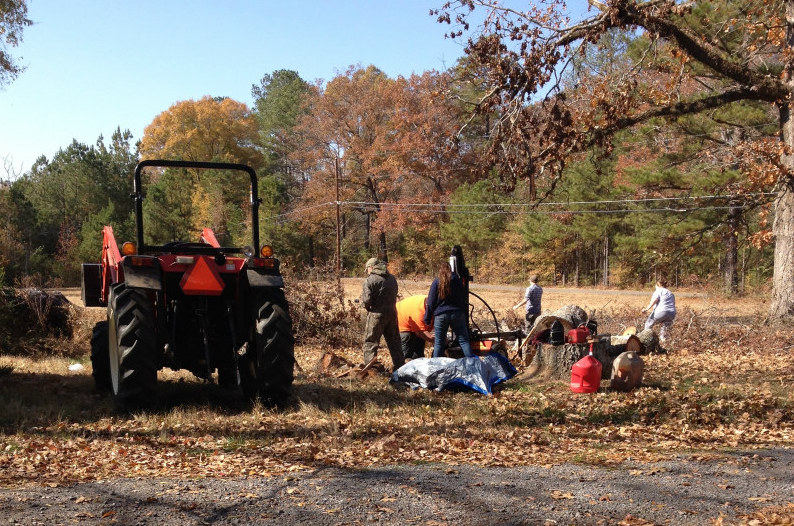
413 330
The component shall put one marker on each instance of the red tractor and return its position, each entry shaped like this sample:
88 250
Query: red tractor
197 305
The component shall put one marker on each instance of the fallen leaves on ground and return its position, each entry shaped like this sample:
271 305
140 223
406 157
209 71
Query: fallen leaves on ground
700 399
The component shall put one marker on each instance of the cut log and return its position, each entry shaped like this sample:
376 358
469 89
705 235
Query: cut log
554 362
624 343
649 340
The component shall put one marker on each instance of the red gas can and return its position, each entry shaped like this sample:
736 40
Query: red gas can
586 375
578 335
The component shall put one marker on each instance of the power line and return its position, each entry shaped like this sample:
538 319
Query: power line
483 211
300 210
554 203
509 208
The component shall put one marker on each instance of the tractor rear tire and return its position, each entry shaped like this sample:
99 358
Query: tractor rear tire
267 370
100 357
133 355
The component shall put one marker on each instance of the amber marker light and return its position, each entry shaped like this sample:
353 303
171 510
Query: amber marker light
128 248
267 251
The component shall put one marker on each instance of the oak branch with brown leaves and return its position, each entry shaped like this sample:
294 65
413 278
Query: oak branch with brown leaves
691 58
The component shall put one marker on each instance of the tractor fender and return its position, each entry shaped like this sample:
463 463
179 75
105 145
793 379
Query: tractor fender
259 280
142 272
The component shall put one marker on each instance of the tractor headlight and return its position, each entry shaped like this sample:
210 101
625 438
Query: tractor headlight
128 249
248 251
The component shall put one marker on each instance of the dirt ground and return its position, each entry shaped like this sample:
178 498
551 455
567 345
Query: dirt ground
754 488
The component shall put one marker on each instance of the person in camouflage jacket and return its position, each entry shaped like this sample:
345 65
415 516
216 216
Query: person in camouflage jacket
379 297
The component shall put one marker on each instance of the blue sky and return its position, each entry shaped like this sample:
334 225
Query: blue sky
96 65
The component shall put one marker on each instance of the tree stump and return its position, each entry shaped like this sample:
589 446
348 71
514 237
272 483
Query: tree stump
570 316
554 362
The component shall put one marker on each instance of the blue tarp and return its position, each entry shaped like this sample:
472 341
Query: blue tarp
477 373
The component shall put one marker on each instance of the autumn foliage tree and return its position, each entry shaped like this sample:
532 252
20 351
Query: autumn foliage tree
542 124
389 144
210 129
349 136
430 159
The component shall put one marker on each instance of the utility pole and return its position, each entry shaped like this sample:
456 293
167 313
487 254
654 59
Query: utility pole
338 222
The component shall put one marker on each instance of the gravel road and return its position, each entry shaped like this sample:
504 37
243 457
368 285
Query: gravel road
682 491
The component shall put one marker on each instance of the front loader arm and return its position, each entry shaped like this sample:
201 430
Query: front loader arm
111 262
208 236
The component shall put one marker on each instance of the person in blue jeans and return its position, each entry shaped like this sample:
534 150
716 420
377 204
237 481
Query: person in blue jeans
447 306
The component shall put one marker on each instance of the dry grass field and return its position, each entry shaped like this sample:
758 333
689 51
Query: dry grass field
603 304
502 297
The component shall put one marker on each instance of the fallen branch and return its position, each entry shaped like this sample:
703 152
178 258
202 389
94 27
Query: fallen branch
357 371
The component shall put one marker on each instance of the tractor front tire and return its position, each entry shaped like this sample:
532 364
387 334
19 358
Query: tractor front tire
267 369
100 357
133 355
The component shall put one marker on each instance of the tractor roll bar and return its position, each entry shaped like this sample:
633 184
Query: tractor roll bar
161 163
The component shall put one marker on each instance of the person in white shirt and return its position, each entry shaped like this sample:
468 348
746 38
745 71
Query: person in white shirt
662 309
532 298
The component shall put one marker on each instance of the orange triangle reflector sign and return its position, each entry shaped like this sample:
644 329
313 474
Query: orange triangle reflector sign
202 278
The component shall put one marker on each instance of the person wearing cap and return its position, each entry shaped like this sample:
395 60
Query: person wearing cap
532 299
413 331
379 298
